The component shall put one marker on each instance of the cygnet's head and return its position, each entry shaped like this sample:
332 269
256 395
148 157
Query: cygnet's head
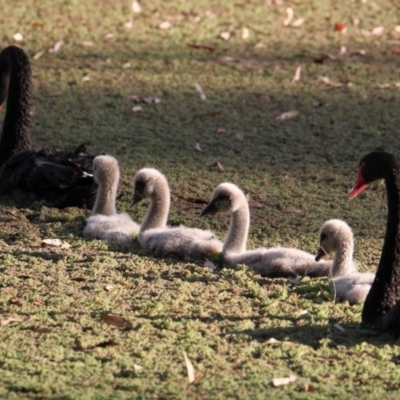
226 198
105 170
146 183
333 235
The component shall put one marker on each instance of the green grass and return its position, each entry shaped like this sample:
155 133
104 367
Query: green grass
62 348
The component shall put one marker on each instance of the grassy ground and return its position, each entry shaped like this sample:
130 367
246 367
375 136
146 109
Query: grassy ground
65 344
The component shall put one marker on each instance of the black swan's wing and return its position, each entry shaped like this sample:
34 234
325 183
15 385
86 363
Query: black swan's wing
60 179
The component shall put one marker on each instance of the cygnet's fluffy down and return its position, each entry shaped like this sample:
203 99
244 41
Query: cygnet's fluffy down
271 262
347 282
105 223
154 235
117 228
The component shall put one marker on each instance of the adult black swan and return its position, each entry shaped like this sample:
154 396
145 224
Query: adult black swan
382 305
60 179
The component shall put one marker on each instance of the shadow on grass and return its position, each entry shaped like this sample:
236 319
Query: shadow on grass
311 335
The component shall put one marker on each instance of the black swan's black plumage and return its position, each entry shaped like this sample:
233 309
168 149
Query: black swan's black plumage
60 179
382 305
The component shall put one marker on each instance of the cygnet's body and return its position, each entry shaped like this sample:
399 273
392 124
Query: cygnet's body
271 262
105 223
154 235
348 283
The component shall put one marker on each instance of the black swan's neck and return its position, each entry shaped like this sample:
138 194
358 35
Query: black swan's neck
15 86
382 308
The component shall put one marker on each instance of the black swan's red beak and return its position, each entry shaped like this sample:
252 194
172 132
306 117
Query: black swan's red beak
359 184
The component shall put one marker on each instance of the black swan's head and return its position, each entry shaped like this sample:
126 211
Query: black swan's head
375 165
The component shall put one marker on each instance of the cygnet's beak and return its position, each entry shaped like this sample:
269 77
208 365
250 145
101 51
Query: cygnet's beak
320 254
210 209
136 199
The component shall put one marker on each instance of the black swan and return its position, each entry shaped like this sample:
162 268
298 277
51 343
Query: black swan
60 179
382 305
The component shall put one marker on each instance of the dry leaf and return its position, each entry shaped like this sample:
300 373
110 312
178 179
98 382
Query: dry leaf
42 329
152 100
78 345
271 341
18 37
339 327
221 129
377 31
297 74
191 199
340 27
15 301
199 90
288 115
297 211
225 35
189 368
198 147
8 320
128 24
126 65
245 33
298 22
38 55
79 279
328 82
165 25
209 264
197 46
309 389
136 7
253 203
108 288
283 381
342 50
56 47
289 16
219 166
88 43
116 320
137 367
55 243
25 277
136 108
86 78
107 343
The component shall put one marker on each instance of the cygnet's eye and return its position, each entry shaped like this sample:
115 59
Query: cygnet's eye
323 237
